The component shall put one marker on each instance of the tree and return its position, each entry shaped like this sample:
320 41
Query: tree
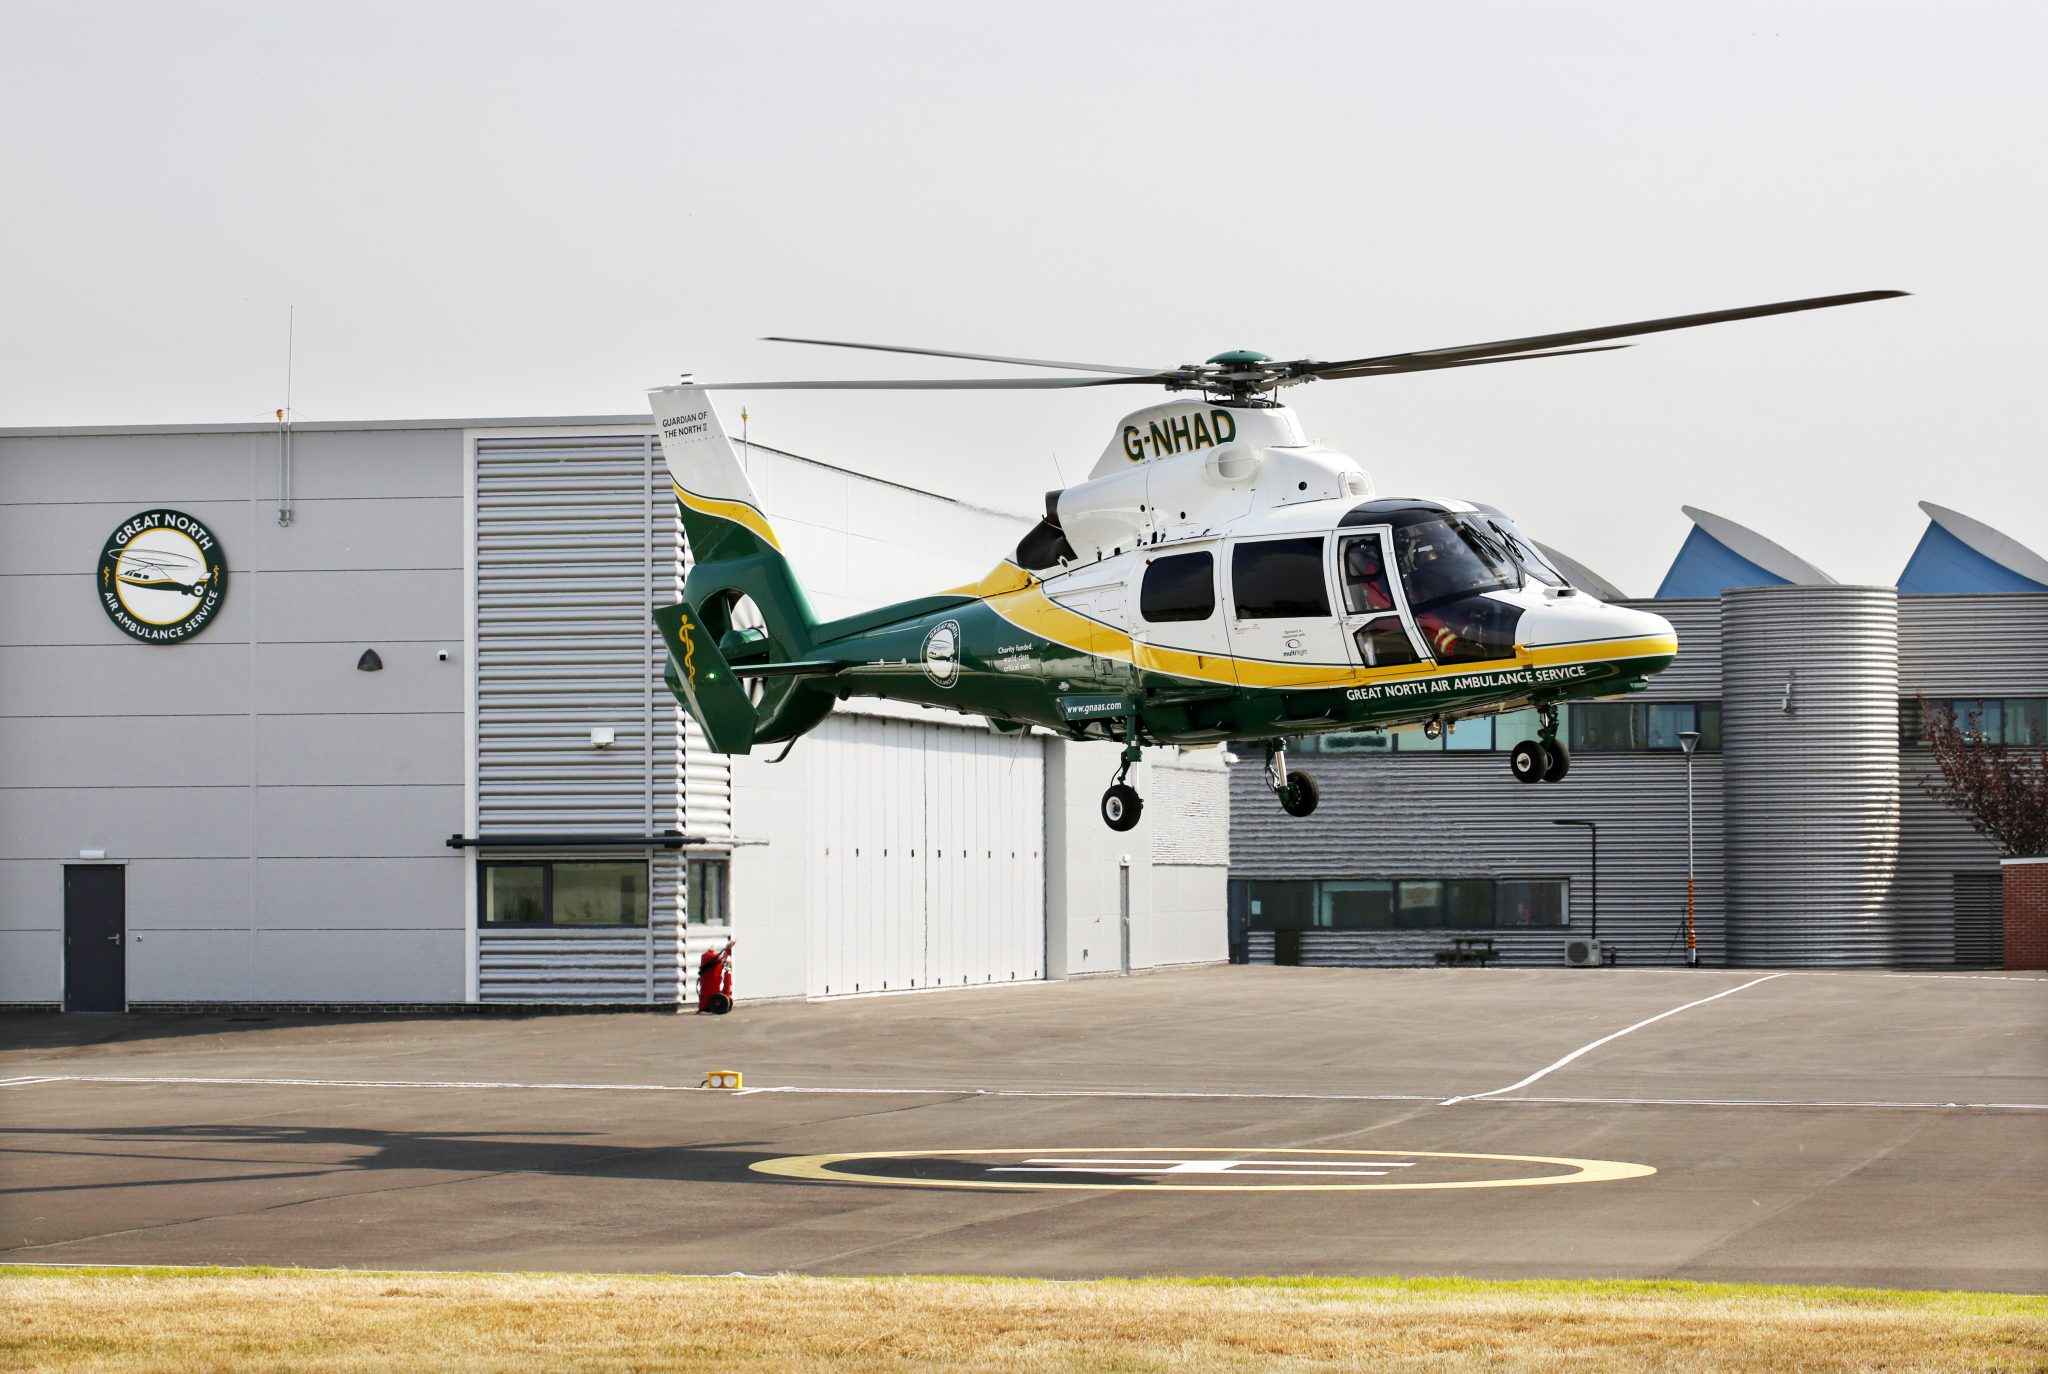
2000 789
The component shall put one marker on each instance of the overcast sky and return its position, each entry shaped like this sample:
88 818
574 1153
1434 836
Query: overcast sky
512 210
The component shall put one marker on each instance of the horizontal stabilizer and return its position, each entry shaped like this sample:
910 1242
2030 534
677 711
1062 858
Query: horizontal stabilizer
799 668
701 680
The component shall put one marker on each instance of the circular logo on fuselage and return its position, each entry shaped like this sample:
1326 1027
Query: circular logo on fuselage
163 577
942 653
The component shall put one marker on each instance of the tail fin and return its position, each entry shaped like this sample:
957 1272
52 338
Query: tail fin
734 557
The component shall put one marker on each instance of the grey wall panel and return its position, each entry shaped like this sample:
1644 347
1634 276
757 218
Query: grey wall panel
189 965
321 679
128 822
146 470
31 965
123 751
32 894
358 966
1810 719
174 893
1957 646
356 535
359 893
67 538
386 463
200 677
357 822
1463 816
365 607
331 750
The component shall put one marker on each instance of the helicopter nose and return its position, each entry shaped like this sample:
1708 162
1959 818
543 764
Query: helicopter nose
1577 621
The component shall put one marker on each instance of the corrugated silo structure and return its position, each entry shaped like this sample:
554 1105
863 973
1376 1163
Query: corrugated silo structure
1810 693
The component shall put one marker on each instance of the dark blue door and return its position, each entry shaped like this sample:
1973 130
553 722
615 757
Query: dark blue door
95 937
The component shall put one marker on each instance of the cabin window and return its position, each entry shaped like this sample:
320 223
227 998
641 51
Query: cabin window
563 894
1179 587
1278 579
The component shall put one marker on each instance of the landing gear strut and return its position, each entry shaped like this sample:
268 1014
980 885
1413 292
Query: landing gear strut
1297 792
1545 758
1121 804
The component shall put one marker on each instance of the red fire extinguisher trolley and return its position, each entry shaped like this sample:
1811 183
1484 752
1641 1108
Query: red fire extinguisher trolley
714 981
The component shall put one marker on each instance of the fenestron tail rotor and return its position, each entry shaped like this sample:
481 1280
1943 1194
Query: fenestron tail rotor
1245 375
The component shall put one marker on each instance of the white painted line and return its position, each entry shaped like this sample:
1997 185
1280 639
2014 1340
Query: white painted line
1053 1093
1587 1049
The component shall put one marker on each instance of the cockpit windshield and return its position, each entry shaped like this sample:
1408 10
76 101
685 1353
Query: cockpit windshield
1452 556
1524 551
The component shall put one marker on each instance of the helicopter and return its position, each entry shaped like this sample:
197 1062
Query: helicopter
1218 579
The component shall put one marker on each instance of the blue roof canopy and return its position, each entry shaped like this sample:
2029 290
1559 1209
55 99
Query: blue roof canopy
1958 554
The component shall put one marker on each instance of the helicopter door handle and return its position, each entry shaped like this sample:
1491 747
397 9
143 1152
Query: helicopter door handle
114 939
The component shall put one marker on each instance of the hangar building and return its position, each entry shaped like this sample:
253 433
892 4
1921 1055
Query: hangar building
371 715
1813 838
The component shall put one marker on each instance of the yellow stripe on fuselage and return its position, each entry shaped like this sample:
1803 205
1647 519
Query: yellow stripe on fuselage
739 512
1026 606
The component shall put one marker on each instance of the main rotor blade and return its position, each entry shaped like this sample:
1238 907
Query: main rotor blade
1614 331
971 357
1437 364
947 384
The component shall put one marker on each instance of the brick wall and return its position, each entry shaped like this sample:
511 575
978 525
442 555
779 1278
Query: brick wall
2026 913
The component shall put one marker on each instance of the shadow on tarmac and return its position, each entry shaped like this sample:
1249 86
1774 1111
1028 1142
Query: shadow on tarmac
322 1151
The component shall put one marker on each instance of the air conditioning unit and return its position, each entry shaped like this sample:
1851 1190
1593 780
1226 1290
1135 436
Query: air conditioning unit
1584 953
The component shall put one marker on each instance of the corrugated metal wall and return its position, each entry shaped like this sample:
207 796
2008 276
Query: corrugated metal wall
576 541
1949 647
1463 816
1810 719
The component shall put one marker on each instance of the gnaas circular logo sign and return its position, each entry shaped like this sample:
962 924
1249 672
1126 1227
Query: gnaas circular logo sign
942 653
162 577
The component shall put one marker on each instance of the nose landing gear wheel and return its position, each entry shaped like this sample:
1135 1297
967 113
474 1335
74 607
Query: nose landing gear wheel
1121 807
1560 761
1529 761
1300 796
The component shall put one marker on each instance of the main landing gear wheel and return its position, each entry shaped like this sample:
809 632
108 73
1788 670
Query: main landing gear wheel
1560 761
1300 795
1121 806
1530 761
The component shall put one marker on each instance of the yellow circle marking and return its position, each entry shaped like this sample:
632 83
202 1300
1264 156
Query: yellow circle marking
817 1169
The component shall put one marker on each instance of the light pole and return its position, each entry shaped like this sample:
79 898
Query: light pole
1689 740
1592 833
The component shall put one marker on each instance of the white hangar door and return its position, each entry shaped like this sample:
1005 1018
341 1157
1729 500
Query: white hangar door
927 863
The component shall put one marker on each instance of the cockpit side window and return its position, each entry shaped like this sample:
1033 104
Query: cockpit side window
1445 558
1364 575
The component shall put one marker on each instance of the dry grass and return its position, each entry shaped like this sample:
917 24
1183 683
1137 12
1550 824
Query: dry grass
124 1321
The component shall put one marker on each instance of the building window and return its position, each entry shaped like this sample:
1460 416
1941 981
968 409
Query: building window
1180 587
1983 720
1278 579
1408 904
563 894
1593 727
710 903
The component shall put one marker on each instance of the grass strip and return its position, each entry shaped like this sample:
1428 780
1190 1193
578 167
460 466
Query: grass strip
130 1319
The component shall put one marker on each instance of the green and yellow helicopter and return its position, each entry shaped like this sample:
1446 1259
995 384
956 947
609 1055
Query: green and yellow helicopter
1218 578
